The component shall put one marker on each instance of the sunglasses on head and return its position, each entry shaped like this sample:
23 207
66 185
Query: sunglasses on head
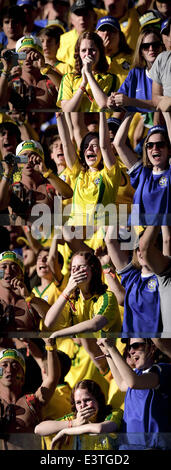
136 345
159 145
146 45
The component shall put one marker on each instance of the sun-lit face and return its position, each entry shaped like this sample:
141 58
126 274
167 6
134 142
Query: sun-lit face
150 48
110 38
50 46
12 373
57 153
42 266
157 151
88 48
140 352
83 398
10 271
80 264
92 152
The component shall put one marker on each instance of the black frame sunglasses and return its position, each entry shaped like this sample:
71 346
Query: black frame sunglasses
159 145
155 45
136 345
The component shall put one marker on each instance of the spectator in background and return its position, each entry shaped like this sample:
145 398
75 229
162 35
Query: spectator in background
12 22
166 33
118 53
163 7
30 10
83 18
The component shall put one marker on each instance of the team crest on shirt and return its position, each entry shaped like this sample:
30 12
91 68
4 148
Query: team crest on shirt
63 177
163 181
45 298
97 181
152 283
125 65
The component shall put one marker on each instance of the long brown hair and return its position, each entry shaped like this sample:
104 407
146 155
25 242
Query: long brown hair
102 65
138 59
97 393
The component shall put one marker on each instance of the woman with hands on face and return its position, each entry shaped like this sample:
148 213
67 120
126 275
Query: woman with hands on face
88 86
90 415
92 309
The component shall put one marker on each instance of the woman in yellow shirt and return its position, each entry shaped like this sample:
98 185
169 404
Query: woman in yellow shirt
88 86
93 309
90 415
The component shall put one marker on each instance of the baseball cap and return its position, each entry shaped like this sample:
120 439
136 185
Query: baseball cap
13 257
114 122
30 146
155 129
31 42
165 25
21 3
108 20
81 5
150 17
13 354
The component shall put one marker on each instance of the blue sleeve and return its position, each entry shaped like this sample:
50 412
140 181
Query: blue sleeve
127 273
135 174
125 88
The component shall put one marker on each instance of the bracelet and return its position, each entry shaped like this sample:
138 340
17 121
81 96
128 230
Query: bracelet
66 297
4 73
109 271
70 423
51 348
47 173
106 266
85 91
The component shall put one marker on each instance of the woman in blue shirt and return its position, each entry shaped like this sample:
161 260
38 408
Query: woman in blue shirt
135 93
150 177
146 420
140 296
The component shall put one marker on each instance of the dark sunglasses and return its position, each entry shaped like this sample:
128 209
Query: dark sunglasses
159 145
136 345
155 45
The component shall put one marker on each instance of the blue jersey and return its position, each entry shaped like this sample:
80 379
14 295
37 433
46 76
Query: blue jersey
141 304
147 412
137 85
152 195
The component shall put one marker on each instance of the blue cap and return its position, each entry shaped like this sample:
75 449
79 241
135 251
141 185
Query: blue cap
165 24
114 121
155 129
108 20
21 3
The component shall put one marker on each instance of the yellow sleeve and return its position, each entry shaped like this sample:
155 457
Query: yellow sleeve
107 306
65 89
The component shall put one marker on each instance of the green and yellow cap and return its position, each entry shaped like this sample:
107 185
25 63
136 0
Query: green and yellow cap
30 42
15 355
13 257
30 146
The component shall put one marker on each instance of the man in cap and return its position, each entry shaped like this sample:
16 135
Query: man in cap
83 17
117 51
28 90
37 184
18 310
21 412
127 16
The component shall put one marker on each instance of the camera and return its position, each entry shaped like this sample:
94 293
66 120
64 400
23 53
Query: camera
12 159
1 273
13 56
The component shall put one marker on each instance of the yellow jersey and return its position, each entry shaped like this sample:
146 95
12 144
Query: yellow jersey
120 64
105 305
93 191
50 294
71 82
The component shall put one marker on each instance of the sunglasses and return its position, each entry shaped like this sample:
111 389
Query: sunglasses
155 45
136 345
159 145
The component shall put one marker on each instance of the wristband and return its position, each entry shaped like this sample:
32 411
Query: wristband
47 173
70 423
5 73
109 271
51 347
6 178
66 297
85 91
106 266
